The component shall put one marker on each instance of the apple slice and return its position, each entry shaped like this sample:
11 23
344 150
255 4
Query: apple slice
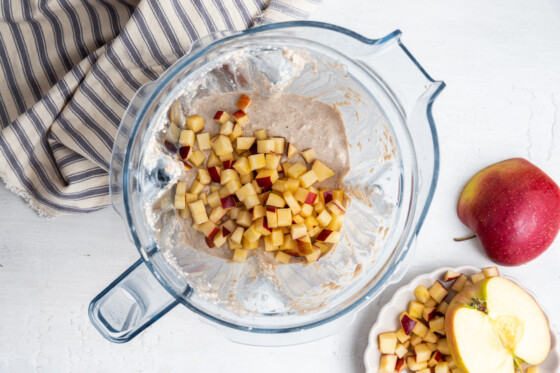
497 319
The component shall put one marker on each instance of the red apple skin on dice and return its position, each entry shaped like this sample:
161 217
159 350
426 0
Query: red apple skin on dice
513 207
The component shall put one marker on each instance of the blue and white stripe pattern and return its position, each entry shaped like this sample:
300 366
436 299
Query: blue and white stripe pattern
68 69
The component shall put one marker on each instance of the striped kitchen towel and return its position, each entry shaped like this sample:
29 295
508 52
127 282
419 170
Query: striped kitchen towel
68 69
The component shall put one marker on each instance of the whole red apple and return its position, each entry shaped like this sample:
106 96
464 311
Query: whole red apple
513 207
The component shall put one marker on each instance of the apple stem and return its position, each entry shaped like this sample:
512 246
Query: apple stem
464 238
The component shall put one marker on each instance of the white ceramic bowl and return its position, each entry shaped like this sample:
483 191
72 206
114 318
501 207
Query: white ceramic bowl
387 319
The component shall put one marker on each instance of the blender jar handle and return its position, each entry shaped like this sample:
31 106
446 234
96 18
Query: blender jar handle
130 304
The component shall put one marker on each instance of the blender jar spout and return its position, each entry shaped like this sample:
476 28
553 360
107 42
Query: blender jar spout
401 75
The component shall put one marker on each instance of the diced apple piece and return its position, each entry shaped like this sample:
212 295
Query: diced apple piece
436 358
326 196
477 277
214 173
204 176
272 161
198 212
438 291
244 219
275 200
298 231
314 256
450 276
257 161
336 222
203 140
261 226
387 363
196 187
291 185
240 255
437 323
221 117
217 214
236 132
185 152
400 350
420 329
222 145
430 337
277 237
298 219
228 175
442 308
243 102
186 138
181 187
249 245
251 234
209 229
245 191
441 367
443 346
305 247
245 143
408 323
197 158
413 365
284 216
179 203
387 343
307 179
296 170
219 238
195 123
265 146
491 272
328 236
308 155
279 145
306 210
258 212
292 203
213 160
240 117
415 309
428 313
237 235
282 257
336 208
226 129
292 150
459 283
402 336
423 353
422 294
233 186
265 178
415 339
321 170
400 366
251 202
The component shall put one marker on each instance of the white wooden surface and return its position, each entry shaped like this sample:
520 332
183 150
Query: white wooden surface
501 62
